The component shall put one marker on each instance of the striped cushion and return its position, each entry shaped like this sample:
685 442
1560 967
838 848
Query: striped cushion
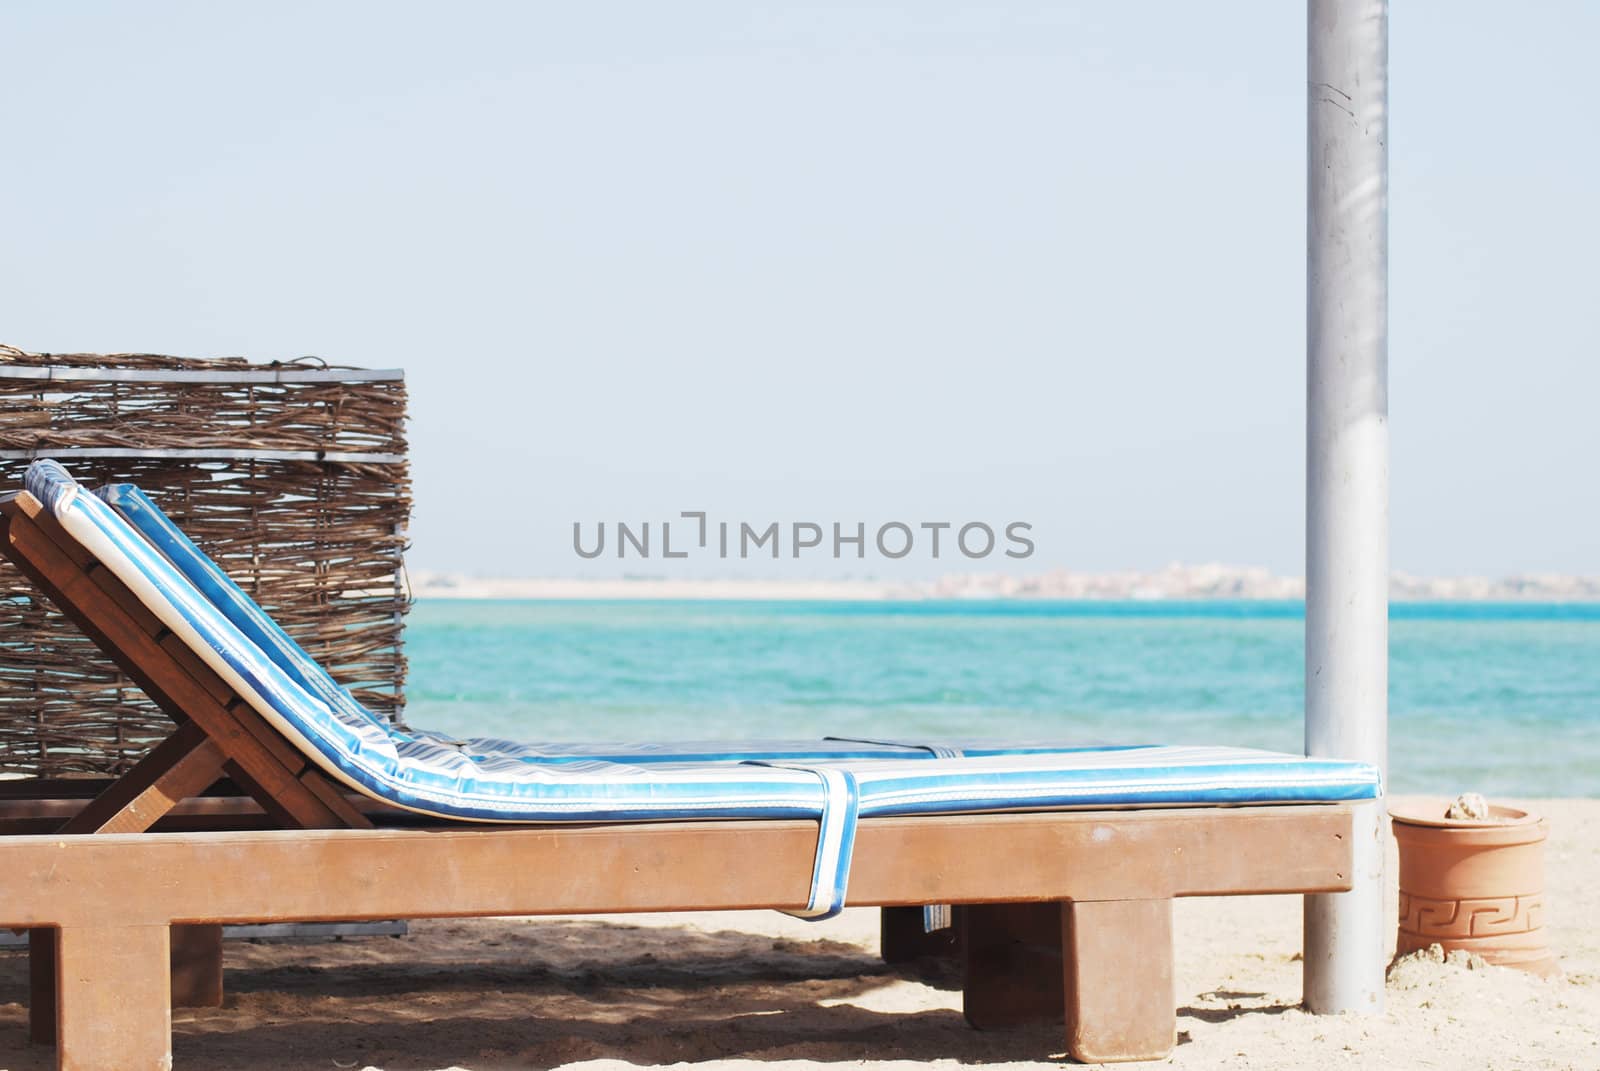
230 599
499 781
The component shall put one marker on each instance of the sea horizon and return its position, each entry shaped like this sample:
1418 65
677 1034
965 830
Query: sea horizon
1501 698
1175 584
1157 606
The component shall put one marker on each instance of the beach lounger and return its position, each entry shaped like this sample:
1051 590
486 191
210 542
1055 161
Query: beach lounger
1067 859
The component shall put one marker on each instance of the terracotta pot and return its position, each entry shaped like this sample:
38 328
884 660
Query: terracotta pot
1474 885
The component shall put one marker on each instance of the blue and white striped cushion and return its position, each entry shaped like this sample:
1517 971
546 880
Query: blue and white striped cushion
230 599
496 781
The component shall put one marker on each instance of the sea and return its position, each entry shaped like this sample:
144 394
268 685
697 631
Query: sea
1502 699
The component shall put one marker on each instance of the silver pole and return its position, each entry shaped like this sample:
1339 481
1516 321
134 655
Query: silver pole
1347 471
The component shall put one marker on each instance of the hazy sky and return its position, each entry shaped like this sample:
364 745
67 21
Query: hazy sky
992 261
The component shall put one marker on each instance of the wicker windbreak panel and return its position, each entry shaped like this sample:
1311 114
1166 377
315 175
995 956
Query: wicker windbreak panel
292 476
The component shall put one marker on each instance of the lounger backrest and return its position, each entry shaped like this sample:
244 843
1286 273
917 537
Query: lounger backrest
332 738
245 613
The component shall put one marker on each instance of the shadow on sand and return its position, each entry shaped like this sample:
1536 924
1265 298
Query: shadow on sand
497 994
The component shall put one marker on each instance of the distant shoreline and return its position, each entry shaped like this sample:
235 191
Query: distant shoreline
1176 582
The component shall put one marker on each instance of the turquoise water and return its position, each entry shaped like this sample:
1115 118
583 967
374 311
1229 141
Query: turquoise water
1504 699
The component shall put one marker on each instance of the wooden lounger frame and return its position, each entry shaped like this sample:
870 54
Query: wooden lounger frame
1064 915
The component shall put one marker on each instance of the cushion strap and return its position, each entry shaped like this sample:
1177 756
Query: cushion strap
938 751
836 838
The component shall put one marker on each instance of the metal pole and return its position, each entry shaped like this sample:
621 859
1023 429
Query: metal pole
1347 470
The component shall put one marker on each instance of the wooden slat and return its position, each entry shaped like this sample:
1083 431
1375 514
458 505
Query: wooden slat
1137 854
177 822
33 509
671 866
334 799
183 765
51 788
222 806
281 816
192 663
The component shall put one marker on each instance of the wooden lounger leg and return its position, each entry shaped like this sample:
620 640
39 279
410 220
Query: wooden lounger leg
902 938
1011 964
196 966
113 1004
1118 980
196 975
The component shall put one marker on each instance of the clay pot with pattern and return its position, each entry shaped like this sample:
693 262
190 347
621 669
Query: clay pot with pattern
1473 884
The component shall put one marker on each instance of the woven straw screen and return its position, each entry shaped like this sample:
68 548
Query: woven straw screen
292 476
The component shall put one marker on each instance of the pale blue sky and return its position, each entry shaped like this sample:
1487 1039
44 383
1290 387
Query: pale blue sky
860 261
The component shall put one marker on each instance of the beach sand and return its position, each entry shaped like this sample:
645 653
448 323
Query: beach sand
739 989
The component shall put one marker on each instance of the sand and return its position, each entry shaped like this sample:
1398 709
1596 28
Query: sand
735 989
